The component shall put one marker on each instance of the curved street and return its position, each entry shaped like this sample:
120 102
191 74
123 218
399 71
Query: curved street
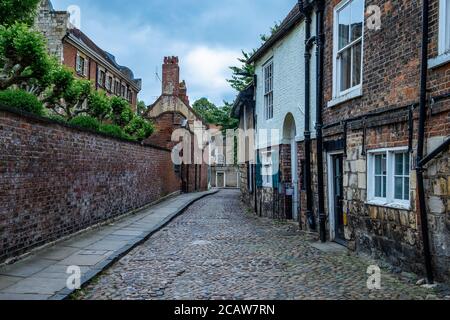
219 250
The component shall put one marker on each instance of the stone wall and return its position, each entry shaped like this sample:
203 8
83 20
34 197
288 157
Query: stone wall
57 180
53 25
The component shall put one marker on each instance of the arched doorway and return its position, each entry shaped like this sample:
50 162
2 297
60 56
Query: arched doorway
289 134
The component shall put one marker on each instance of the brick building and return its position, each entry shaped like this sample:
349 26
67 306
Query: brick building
172 111
380 103
76 50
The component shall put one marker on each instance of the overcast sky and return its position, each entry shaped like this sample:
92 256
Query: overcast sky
207 35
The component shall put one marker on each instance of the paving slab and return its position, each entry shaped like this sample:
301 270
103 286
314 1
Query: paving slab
43 275
7 281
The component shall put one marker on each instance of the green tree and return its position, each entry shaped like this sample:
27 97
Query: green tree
98 105
121 112
140 128
17 11
242 75
220 116
24 60
141 108
67 96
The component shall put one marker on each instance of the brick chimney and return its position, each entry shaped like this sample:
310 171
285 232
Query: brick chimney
171 76
183 92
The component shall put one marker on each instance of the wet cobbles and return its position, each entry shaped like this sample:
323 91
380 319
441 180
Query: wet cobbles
219 250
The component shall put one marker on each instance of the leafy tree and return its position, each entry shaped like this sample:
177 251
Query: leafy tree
141 108
67 95
242 75
121 112
24 60
140 128
212 114
18 11
21 100
98 105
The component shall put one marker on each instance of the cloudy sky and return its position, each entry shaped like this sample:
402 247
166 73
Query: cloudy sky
207 35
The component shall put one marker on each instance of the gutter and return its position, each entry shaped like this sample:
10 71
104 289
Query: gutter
421 144
309 41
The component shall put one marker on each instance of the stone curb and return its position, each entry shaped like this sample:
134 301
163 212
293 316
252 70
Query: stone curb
120 253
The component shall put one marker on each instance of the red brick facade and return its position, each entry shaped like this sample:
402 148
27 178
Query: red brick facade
57 180
391 81
172 112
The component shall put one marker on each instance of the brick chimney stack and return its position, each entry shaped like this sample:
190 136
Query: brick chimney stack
171 76
183 92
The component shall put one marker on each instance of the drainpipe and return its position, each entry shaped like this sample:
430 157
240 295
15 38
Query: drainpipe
421 143
307 133
319 121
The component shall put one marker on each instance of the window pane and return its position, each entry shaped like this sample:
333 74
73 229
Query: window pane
399 164
357 64
345 61
344 18
399 188
384 186
357 18
378 165
406 169
406 189
378 188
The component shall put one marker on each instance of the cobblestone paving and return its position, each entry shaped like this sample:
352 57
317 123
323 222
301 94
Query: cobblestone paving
218 250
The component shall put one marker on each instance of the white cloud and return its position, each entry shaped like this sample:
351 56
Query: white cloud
206 70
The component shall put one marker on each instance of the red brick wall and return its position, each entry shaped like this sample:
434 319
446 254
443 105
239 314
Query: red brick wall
391 79
57 180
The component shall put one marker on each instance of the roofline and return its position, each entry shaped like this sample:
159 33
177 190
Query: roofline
150 107
280 34
74 40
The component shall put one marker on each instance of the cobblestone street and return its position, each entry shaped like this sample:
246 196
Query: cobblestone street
219 250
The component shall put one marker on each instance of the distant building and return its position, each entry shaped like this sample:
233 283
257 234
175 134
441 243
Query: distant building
172 111
76 50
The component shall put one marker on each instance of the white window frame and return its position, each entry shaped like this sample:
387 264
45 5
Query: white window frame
443 32
354 91
81 65
267 168
268 85
390 200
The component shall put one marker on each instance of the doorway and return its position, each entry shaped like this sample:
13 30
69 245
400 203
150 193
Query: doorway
220 180
289 135
336 197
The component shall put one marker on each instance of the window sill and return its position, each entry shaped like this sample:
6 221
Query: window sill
356 93
439 61
394 205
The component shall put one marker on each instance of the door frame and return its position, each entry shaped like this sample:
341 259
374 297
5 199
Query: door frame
224 179
332 213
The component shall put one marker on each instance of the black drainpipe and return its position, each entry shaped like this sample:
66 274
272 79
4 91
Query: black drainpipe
421 143
320 42
307 133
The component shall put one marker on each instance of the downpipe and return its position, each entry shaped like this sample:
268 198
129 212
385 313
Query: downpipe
421 144
320 42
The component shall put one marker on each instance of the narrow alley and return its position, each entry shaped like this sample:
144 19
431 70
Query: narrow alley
219 250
